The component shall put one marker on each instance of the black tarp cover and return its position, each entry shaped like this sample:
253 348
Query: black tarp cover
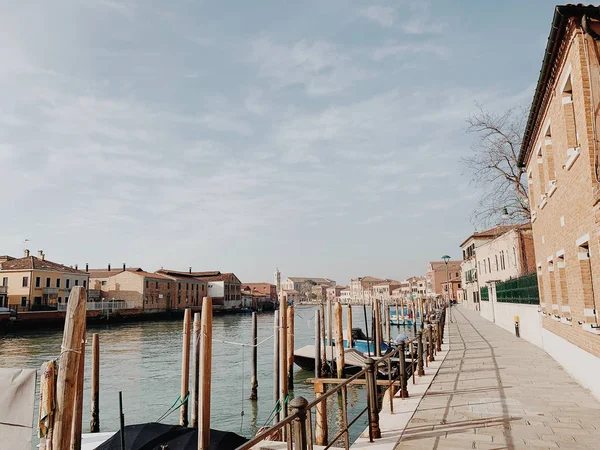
158 436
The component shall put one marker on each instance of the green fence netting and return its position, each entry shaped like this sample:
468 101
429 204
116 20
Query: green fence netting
485 296
520 290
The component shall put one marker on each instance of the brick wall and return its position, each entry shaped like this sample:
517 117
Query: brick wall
565 218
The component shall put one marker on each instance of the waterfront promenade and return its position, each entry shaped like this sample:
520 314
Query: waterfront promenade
496 391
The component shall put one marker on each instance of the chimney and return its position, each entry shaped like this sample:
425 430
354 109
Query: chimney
109 267
26 253
76 267
40 255
87 267
190 270
123 267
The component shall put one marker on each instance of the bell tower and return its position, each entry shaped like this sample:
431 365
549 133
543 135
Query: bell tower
277 279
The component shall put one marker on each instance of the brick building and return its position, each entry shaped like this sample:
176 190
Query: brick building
333 293
560 152
163 290
268 289
436 274
361 288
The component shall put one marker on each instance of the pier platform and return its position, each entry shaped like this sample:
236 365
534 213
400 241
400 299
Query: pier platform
496 391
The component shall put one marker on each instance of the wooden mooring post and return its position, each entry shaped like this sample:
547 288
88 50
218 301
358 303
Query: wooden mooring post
68 363
254 370
323 341
349 326
388 327
397 315
377 328
95 403
290 347
318 372
78 408
205 374
276 362
185 368
339 340
283 371
196 371
321 416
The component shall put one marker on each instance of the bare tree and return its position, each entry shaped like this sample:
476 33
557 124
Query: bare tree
494 168
305 289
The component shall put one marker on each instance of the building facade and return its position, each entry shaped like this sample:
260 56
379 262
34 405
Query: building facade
361 288
561 156
33 282
334 293
438 272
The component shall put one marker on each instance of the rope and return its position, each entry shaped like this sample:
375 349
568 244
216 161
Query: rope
172 409
66 350
241 344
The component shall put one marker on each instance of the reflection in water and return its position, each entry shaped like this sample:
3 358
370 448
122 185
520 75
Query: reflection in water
144 361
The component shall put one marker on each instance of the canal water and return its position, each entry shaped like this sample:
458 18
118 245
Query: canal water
143 360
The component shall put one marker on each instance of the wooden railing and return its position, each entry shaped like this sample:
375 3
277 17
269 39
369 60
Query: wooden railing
297 428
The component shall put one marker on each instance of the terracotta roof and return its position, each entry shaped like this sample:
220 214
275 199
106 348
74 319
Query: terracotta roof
497 231
32 262
387 282
220 277
178 274
210 273
104 273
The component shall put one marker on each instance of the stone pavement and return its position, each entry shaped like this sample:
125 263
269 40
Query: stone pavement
495 391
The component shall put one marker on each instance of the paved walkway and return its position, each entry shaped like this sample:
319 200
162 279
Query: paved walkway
495 391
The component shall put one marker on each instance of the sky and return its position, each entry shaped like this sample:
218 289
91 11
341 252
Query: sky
320 137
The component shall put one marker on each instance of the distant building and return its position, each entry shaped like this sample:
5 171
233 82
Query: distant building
361 288
333 293
436 274
297 283
224 288
346 296
291 295
269 290
469 272
33 282
509 255
383 289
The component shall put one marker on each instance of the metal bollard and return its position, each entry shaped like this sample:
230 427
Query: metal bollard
403 373
420 370
298 405
430 347
374 431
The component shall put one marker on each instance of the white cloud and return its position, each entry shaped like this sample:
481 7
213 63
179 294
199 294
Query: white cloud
383 15
317 65
409 49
